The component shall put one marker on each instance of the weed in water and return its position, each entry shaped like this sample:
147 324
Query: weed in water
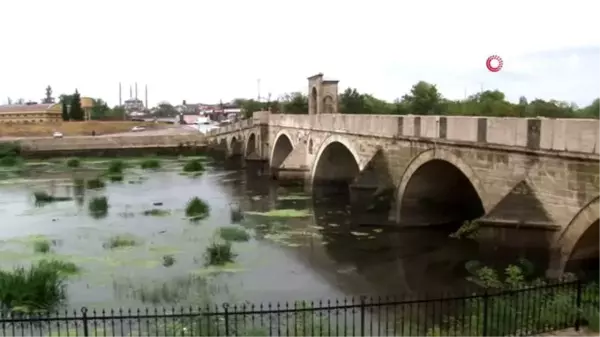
156 212
197 209
95 183
233 233
73 162
9 161
151 163
40 287
194 165
98 207
42 246
236 214
115 177
119 241
116 167
219 253
42 197
168 260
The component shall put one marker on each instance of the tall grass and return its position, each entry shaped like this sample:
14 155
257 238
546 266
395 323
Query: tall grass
150 163
98 207
73 162
42 246
233 233
194 165
40 287
10 154
119 241
219 253
116 167
95 183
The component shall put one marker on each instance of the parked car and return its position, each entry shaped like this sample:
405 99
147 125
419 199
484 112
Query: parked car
57 134
138 128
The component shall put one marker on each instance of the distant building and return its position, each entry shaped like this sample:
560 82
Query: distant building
30 113
133 105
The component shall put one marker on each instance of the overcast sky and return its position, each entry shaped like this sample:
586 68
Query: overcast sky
204 51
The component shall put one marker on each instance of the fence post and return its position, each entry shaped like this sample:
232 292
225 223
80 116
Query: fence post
226 318
363 306
85 321
578 305
485 313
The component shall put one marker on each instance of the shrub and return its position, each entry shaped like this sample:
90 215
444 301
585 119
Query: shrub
42 197
233 233
194 165
168 260
73 162
95 183
98 207
151 163
116 167
42 246
219 253
197 209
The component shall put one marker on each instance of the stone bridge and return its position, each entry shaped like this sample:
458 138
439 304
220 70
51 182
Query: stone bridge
519 173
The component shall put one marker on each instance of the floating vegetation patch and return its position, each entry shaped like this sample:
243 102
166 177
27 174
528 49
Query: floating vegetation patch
150 164
156 212
219 253
283 213
293 197
95 183
98 207
211 270
233 233
42 197
120 241
73 162
197 209
194 165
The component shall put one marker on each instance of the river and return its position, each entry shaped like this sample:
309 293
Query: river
317 253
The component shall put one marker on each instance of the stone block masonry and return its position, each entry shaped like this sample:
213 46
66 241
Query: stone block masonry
520 172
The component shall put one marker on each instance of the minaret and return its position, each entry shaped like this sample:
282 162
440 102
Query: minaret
130 92
120 101
136 92
146 96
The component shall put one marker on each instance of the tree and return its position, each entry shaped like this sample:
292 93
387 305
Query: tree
352 102
76 112
165 109
65 109
19 101
424 99
48 99
100 109
294 103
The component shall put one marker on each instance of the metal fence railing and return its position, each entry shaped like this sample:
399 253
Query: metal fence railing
525 311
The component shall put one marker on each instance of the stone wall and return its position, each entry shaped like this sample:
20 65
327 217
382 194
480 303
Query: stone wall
92 143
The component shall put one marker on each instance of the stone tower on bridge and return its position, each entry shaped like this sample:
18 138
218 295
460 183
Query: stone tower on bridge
322 95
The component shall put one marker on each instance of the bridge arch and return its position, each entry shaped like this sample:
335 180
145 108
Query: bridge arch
336 161
250 145
579 235
439 187
282 147
235 146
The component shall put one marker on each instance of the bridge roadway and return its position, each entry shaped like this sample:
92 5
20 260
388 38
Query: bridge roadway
533 173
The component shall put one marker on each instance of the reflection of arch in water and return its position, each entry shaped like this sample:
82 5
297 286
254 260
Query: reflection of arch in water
425 197
394 262
579 240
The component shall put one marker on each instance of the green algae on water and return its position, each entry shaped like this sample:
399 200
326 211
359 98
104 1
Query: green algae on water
282 213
